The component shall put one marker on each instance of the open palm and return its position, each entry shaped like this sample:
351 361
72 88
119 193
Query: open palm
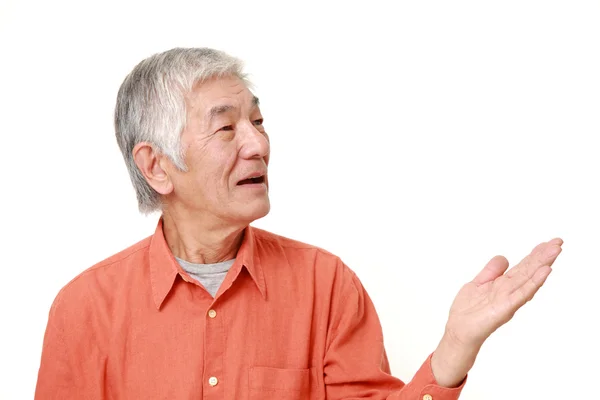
492 298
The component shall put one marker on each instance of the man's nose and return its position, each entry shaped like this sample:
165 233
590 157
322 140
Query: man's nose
255 144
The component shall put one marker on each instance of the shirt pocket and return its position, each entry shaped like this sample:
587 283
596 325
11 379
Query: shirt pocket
266 383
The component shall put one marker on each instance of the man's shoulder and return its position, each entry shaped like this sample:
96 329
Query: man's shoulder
105 273
328 268
290 244
129 255
299 254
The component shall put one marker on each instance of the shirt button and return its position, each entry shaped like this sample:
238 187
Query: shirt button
427 397
212 313
212 381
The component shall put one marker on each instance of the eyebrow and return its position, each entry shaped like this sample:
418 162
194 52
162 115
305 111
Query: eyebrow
218 110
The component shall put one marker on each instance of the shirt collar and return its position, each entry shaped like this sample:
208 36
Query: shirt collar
164 268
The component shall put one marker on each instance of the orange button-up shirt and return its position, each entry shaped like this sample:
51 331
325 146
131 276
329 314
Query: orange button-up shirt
290 321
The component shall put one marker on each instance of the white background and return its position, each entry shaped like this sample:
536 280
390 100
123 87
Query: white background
415 140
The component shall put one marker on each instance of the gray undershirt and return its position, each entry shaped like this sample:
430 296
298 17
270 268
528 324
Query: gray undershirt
210 276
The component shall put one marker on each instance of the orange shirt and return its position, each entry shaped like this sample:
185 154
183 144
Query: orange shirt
290 321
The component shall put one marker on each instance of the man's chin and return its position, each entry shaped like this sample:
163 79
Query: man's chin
263 211
254 211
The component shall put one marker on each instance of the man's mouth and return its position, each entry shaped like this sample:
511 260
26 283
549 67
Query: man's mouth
258 179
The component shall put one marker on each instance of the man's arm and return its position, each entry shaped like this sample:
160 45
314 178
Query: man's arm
55 376
65 369
356 364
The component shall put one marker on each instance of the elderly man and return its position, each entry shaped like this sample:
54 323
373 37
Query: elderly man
210 307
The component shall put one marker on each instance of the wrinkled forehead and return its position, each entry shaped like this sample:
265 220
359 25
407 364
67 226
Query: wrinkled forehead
220 95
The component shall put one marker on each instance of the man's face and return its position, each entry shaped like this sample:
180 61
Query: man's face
226 151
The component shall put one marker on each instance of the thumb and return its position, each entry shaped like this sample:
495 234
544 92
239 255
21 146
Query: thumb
493 269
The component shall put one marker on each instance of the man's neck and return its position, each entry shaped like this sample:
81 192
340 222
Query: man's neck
201 240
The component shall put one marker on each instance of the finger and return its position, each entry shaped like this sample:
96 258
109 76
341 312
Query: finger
557 241
543 254
493 269
529 288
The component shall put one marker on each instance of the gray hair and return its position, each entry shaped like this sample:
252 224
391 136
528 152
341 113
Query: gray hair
151 107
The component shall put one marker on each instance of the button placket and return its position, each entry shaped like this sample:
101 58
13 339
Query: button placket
214 347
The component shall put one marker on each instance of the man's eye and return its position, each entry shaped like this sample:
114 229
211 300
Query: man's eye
227 128
258 122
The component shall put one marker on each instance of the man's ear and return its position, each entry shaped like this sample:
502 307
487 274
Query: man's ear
149 161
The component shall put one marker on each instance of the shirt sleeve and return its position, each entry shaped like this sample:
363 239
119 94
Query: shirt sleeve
65 371
356 364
